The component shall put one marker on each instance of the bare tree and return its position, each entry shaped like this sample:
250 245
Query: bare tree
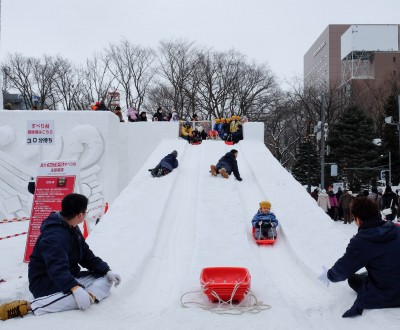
176 66
131 66
98 80
68 86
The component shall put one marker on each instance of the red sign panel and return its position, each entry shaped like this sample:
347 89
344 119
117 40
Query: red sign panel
49 192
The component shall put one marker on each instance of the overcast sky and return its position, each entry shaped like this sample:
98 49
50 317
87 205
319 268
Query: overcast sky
277 32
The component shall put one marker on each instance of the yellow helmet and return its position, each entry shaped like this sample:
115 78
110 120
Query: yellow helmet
217 120
228 120
222 120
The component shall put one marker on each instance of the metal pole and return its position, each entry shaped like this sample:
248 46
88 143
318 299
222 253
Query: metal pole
308 167
390 169
398 122
322 142
1 75
308 158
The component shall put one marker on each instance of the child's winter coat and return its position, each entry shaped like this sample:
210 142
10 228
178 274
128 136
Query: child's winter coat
265 218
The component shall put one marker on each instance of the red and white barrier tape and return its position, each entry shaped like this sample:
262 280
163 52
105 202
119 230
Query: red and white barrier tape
14 220
15 235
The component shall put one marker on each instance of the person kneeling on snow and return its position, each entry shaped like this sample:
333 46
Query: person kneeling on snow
55 277
375 247
226 165
264 222
166 165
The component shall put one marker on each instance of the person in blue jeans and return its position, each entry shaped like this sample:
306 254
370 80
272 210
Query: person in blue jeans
166 165
265 222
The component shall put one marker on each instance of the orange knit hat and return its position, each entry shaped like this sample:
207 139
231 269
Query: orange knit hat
265 204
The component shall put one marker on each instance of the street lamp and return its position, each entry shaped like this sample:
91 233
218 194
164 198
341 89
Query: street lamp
389 182
309 136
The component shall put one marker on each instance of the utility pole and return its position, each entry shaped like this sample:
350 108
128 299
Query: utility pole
322 142
390 169
308 156
398 122
1 76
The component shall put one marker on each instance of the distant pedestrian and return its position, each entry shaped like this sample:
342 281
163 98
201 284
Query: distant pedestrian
323 201
132 114
344 204
142 116
314 194
159 114
389 200
102 106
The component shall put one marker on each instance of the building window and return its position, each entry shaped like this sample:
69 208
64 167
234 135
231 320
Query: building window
394 59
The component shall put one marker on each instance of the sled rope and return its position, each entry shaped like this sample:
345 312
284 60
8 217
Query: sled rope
249 304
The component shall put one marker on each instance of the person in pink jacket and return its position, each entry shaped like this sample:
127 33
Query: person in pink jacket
333 211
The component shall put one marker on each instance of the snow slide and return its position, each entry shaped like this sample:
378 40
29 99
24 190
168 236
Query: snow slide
160 233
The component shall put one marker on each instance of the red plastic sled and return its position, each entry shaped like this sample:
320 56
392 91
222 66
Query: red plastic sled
265 241
220 282
212 135
229 143
195 143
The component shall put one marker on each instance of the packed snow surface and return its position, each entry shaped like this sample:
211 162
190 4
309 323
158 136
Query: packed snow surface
161 232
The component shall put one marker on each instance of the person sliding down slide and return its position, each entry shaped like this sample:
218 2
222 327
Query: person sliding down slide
226 165
166 165
264 222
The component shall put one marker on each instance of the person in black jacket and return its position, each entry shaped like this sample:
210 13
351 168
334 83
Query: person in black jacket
159 114
226 165
166 165
389 200
374 247
54 272
102 106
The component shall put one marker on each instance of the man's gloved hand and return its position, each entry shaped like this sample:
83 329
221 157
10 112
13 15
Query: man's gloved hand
113 277
324 276
82 298
239 179
260 223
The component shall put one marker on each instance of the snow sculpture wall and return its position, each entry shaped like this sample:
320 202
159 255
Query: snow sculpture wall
110 153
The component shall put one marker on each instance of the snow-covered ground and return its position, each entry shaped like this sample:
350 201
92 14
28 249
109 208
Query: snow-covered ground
161 232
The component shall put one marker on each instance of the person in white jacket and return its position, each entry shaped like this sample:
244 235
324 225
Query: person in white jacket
323 201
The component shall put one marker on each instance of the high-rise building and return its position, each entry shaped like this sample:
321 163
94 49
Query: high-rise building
349 54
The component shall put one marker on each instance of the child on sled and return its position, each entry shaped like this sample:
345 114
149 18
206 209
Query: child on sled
264 222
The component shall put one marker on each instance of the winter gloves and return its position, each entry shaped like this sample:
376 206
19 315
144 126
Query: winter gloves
324 276
113 277
82 297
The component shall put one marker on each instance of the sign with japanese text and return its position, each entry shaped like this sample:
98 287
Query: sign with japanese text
55 180
40 132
